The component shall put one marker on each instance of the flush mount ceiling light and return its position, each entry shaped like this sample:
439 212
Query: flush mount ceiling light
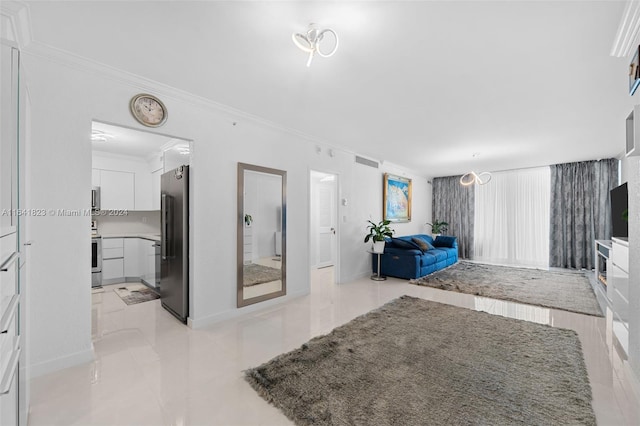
473 177
310 42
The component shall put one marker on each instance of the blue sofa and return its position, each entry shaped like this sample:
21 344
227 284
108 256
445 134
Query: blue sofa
406 257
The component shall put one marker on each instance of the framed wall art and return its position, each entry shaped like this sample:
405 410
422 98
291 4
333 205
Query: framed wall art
634 72
396 198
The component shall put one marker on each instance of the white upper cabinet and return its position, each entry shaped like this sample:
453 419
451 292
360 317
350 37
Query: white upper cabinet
143 155
143 191
117 190
123 188
155 189
95 177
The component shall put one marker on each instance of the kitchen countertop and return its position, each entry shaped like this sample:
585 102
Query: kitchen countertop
152 237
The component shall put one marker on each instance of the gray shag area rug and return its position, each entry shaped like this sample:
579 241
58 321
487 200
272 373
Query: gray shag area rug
254 274
566 290
416 362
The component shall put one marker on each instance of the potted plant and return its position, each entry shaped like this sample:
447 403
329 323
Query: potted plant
377 233
438 227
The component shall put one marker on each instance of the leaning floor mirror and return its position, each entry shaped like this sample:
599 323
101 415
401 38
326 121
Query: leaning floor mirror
262 254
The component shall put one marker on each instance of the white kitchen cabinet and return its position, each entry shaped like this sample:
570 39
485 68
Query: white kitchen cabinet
95 177
143 191
112 270
112 248
110 243
132 257
117 190
139 260
138 174
618 290
112 260
150 260
155 189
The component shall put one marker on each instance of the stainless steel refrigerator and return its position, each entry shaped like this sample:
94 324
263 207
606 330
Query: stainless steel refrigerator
174 232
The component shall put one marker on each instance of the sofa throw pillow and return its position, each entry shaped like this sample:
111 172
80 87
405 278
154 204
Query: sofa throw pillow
423 244
444 241
404 244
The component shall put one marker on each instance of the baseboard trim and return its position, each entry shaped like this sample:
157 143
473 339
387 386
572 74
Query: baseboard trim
235 313
61 363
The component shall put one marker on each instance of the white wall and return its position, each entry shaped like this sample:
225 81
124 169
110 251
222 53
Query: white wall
134 222
65 101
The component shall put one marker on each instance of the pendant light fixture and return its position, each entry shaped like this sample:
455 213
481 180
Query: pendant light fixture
473 177
309 42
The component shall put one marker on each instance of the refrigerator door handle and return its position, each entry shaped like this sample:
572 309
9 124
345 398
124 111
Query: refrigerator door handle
165 223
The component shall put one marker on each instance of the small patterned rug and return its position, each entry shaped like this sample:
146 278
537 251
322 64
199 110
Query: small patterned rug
136 293
254 274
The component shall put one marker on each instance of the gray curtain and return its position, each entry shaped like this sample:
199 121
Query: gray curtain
580 211
454 204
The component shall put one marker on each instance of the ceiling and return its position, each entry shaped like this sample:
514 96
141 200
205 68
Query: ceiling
133 143
423 84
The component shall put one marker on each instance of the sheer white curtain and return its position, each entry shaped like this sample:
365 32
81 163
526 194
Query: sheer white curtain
512 215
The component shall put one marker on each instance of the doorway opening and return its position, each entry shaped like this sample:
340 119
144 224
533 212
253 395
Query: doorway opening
323 238
131 200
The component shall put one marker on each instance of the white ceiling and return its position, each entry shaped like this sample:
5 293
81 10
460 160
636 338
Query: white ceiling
423 84
125 141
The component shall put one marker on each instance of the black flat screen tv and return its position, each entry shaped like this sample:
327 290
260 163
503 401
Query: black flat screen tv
620 211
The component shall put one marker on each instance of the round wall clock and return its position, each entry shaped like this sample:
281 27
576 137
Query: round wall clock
148 110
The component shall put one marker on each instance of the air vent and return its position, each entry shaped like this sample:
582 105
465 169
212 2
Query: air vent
367 162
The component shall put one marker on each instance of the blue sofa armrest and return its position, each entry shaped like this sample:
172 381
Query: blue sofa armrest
446 241
399 263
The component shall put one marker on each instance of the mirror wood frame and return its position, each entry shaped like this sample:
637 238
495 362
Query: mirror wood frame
241 301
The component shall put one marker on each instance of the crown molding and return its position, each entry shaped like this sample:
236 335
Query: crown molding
138 83
17 13
628 30
49 53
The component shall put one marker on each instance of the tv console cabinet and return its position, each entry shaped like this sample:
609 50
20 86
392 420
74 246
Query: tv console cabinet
618 289
602 251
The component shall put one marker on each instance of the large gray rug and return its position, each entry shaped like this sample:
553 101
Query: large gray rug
254 274
416 362
565 290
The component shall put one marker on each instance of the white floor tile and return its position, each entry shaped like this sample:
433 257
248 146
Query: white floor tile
149 369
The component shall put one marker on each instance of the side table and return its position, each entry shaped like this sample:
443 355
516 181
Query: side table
377 276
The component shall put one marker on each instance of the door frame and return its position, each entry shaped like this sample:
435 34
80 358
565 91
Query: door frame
310 204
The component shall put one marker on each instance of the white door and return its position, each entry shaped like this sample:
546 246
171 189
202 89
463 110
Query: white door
325 209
